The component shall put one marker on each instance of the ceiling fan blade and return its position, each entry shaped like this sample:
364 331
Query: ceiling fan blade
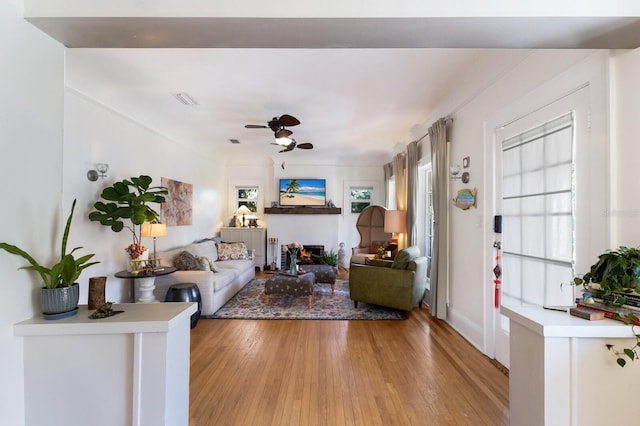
283 133
288 120
255 126
305 146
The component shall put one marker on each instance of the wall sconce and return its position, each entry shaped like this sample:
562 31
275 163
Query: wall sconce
455 170
101 171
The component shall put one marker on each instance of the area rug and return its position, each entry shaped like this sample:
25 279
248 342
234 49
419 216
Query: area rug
249 303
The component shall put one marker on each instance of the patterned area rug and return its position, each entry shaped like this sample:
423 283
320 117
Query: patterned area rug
249 303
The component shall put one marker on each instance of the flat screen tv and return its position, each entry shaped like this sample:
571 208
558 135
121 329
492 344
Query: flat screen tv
303 192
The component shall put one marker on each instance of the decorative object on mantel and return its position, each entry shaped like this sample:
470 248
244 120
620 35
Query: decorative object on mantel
292 248
330 203
615 280
104 311
60 293
466 198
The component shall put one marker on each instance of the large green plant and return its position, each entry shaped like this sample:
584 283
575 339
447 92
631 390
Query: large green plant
64 273
129 200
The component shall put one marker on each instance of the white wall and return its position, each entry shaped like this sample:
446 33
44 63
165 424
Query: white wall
31 84
338 177
94 133
541 78
625 105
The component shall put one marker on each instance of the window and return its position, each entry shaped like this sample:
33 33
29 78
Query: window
425 215
360 198
247 196
538 217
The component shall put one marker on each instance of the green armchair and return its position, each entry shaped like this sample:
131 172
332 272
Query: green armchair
400 284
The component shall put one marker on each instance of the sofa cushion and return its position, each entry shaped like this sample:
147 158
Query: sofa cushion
186 261
404 256
232 251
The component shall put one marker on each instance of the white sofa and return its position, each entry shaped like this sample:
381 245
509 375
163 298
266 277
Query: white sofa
216 288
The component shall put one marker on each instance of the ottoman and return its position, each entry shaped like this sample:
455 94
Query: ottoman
295 285
324 274
186 292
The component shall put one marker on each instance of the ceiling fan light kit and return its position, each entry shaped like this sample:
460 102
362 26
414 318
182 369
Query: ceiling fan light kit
281 134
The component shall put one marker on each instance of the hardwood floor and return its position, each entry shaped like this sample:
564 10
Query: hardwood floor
286 372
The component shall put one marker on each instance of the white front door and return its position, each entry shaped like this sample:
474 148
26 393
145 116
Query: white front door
535 195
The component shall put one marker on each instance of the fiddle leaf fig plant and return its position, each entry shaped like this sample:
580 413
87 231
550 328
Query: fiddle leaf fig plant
65 272
128 200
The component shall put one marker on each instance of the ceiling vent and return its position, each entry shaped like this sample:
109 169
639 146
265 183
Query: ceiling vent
185 99
234 141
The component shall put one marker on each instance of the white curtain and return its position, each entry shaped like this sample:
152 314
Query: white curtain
440 181
413 156
400 173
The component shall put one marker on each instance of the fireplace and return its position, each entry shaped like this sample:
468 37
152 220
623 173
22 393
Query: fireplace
305 257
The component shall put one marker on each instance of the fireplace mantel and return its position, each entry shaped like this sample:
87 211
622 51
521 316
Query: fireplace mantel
302 210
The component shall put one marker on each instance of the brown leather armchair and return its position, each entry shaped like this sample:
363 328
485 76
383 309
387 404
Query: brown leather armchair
370 226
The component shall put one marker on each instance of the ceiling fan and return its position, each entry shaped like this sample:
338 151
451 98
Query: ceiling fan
293 145
277 125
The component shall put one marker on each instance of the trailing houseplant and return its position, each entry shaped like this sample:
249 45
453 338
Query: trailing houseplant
614 275
63 274
128 200
617 272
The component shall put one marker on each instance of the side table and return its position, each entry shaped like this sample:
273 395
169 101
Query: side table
147 281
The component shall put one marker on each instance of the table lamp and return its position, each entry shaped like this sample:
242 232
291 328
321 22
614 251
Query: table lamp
154 230
395 222
243 210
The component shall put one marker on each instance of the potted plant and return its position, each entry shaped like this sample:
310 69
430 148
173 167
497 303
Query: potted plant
60 292
616 273
614 277
128 200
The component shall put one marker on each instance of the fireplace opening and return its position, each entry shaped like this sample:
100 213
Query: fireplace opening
308 256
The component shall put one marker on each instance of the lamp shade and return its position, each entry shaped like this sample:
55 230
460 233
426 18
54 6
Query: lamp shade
243 210
395 221
153 230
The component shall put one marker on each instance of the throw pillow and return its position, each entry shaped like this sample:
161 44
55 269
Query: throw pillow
404 256
203 263
232 251
185 261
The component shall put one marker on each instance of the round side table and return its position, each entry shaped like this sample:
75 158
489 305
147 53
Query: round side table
146 282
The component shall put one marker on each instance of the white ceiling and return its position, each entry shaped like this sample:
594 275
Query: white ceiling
371 95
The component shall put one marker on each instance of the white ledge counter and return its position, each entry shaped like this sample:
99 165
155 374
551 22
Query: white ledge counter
128 369
561 372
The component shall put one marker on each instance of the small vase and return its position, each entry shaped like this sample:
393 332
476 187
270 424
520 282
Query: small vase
293 267
134 264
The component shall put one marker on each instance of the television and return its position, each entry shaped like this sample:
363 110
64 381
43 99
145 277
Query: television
302 192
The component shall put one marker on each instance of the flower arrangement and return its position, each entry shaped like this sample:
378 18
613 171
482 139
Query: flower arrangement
293 246
135 250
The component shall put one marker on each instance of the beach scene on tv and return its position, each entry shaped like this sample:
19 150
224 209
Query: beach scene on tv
302 192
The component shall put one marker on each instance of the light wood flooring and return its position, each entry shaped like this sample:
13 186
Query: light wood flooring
286 372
